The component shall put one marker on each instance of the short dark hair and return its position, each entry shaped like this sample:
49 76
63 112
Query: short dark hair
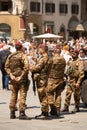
18 47
83 50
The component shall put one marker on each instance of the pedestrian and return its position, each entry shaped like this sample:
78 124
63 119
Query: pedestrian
55 81
4 53
83 57
75 73
17 67
41 76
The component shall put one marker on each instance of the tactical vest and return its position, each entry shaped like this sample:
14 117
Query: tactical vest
73 71
57 68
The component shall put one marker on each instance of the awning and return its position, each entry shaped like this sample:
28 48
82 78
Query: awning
76 26
48 35
79 27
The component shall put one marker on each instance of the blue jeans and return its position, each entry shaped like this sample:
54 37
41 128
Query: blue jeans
5 79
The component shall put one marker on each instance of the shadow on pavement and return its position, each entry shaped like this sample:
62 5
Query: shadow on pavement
67 113
82 105
31 107
3 103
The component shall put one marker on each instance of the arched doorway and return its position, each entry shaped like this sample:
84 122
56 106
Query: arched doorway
5 30
72 32
62 31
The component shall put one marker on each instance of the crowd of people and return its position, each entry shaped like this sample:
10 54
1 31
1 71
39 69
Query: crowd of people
54 65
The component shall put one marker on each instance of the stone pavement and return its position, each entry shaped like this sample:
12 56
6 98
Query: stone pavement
66 122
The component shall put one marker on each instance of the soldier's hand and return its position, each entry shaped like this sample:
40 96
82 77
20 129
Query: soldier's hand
77 85
11 76
18 78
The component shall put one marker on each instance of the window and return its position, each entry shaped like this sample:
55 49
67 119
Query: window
35 29
6 31
22 23
34 6
63 8
5 6
50 8
75 9
49 27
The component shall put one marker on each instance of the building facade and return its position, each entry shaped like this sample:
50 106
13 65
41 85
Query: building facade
55 16
25 18
11 24
84 16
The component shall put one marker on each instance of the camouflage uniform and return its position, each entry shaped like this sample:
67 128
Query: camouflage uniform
75 74
40 69
55 83
17 65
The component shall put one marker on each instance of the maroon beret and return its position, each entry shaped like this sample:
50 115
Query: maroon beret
18 43
76 51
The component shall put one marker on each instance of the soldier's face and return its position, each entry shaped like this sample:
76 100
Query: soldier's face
74 55
23 49
40 51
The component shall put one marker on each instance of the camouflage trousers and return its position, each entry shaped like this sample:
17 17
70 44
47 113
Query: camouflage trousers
76 92
54 89
19 93
42 93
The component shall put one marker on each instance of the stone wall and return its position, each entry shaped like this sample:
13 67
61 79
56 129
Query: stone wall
14 22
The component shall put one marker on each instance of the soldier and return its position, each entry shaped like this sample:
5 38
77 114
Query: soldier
55 81
17 67
75 74
40 69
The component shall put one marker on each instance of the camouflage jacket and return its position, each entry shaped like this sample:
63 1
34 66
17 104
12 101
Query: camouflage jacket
41 67
76 70
17 64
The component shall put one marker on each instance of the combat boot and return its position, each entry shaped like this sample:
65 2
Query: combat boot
23 116
12 115
43 115
65 109
58 112
53 111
